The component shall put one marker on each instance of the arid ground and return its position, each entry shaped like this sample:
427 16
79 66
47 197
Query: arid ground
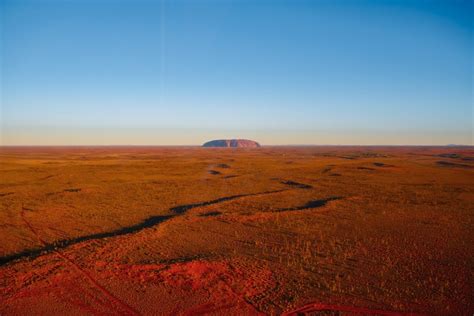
272 230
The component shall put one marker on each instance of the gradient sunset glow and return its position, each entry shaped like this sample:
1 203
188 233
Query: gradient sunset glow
281 72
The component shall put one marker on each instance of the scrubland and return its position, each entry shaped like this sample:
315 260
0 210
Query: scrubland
266 231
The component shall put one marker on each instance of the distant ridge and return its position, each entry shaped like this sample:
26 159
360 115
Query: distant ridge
232 143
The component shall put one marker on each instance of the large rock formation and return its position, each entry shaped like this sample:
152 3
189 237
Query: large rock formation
232 143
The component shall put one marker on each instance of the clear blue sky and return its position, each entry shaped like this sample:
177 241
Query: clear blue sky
281 72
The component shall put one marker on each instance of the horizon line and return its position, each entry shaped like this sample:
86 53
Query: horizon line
279 145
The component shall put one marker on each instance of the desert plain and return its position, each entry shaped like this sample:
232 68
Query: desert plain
262 231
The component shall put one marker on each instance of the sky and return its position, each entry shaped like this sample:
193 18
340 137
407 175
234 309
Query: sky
142 72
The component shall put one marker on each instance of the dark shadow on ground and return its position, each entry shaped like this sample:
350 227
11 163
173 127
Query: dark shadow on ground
310 204
184 208
365 168
380 164
223 165
147 223
210 214
33 253
297 184
453 165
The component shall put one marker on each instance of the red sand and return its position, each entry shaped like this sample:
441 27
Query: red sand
149 231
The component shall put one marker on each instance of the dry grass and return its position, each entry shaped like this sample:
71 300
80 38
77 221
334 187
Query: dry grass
229 231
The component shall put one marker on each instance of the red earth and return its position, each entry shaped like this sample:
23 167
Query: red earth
243 231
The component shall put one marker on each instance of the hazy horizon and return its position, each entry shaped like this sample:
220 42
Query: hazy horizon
279 72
